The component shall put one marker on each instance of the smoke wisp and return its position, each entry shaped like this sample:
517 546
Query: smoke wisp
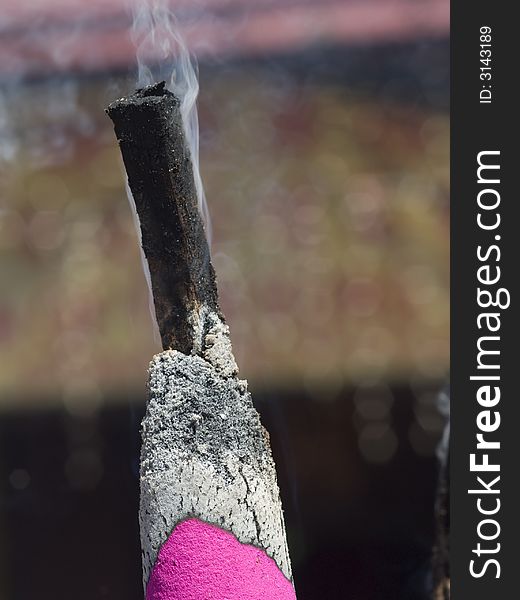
162 54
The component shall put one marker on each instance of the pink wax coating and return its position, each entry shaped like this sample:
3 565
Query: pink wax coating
203 562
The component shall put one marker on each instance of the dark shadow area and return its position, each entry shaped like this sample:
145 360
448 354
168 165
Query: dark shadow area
415 72
357 530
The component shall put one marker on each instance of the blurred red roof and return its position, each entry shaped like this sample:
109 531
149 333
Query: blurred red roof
39 37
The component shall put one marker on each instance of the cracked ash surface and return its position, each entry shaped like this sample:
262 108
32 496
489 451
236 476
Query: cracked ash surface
205 454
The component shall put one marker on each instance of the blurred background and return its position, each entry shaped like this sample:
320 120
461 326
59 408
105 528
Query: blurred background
325 157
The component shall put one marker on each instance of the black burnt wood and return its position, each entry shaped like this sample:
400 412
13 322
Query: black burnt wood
157 160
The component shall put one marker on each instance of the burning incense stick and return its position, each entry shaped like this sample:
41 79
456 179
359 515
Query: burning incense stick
210 512
441 551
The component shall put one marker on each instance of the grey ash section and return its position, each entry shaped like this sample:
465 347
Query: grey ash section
205 454
148 126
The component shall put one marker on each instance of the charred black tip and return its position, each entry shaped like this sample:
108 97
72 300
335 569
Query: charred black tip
156 89
148 126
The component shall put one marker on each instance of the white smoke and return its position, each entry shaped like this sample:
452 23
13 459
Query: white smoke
162 53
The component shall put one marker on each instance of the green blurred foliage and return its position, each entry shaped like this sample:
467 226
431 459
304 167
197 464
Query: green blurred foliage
330 239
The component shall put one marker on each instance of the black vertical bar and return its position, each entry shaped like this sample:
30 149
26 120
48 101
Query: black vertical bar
483 121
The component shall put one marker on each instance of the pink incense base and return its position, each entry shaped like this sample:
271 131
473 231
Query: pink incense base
202 562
